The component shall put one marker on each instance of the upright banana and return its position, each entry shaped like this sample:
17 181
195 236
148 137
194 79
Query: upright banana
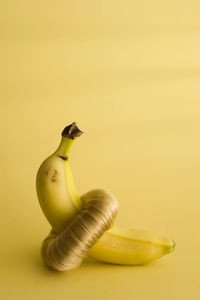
54 183
63 207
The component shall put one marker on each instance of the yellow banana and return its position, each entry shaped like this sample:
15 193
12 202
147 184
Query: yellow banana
61 204
131 247
54 183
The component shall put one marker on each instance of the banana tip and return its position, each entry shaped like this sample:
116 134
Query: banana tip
71 131
174 245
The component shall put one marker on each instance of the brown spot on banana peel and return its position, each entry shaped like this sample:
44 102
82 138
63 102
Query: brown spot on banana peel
54 176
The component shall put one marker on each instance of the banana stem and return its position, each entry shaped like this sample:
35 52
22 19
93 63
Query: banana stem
64 147
69 134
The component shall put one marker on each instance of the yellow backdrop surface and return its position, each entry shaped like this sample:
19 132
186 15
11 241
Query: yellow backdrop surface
128 72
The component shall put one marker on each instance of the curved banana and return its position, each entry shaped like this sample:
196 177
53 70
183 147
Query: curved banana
63 209
54 183
131 247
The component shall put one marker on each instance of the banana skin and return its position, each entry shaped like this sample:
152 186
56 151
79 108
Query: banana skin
56 193
60 203
131 247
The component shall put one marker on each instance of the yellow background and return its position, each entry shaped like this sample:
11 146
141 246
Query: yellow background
128 72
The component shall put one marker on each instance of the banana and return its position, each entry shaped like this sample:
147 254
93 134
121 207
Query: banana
125 246
61 205
54 183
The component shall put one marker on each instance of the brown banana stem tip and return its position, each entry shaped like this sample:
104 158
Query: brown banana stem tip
71 131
